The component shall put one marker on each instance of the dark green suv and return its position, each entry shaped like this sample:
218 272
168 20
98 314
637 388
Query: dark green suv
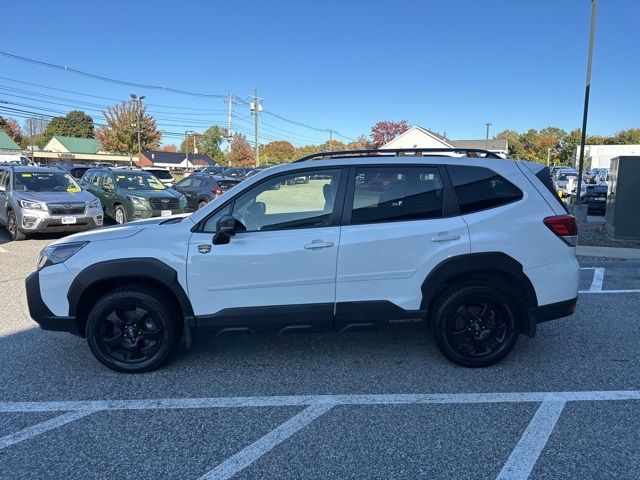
131 194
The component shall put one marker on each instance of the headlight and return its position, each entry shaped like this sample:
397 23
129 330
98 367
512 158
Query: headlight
138 200
95 204
55 254
31 205
183 201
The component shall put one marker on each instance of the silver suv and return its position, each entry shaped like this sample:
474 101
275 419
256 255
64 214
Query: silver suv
36 199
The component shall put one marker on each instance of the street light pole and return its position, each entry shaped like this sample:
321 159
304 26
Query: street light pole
138 103
583 138
486 138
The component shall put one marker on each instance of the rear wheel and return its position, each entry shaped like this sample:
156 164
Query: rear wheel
132 330
202 204
474 325
12 226
120 215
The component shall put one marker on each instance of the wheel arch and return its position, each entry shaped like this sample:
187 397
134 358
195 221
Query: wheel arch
493 268
96 280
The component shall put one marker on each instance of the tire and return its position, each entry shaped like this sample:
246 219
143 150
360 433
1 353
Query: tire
133 330
12 226
120 215
202 204
474 325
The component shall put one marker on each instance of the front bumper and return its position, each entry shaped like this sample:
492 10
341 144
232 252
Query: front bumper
40 221
553 311
41 313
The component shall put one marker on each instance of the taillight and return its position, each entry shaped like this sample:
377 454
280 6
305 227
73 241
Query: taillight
564 226
216 191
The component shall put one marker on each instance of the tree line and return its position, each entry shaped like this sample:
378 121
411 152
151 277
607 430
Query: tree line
119 135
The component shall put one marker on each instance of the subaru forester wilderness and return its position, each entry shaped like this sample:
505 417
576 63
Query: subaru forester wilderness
477 250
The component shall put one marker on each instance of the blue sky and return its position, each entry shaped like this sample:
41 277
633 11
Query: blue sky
450 66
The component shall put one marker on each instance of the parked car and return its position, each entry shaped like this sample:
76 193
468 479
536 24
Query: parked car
237 173
593 174
132 194
161 174
459 246
15 159
561 177
201 188
37 199
595 197
76 170
212 170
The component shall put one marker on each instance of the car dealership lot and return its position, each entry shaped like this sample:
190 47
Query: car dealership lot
379 405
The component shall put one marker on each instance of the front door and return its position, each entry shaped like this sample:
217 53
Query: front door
281 271
4 194
401 226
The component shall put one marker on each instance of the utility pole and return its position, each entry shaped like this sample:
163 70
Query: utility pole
486 138
583 138
31 137
186 145
256 108
548 155
330 139
138 102
229 113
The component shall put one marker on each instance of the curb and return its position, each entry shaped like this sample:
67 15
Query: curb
608 252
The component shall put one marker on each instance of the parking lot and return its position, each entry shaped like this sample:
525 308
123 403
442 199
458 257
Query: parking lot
565 404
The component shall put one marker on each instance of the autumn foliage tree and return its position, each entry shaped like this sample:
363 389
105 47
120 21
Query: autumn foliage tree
120 135
385 131
11 128
74 124
241 154
169 147
277 152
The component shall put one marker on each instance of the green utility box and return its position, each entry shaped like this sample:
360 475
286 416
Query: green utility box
623 198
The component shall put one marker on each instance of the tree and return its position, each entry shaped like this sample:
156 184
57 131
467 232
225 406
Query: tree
169 147
192 140
385 131
120 135
212 138
360 143
241 155
73 124
627 137
516 147
307 150
277 152
35 125
11 128
331 145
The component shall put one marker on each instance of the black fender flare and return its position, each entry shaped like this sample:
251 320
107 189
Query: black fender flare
140 268
458 266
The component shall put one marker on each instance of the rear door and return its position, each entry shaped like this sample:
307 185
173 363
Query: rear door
399 223
4 194
186 187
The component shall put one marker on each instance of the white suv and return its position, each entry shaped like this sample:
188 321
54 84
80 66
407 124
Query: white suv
478 250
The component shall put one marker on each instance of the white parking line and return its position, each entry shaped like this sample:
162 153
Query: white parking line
598 279
257 449
308 400
526 453
2 250
42 427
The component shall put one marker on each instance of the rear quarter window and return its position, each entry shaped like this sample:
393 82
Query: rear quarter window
479 188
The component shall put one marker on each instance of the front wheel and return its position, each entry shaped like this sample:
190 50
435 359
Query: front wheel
132 330
474 325
12 226
120 216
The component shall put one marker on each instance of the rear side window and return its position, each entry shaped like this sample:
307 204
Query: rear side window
545 178
479 188
388 194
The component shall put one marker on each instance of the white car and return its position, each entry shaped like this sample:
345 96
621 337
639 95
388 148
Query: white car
478 250
161 174
564 178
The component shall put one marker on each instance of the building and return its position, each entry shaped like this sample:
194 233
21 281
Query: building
76 150
599 156
174 160
76 145
7 145
419 137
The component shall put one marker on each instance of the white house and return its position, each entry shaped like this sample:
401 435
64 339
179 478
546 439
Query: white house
599 156
418 137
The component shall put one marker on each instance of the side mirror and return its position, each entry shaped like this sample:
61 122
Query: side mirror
3 188
226 227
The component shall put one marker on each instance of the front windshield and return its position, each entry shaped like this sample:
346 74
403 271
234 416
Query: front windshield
138 181
45 182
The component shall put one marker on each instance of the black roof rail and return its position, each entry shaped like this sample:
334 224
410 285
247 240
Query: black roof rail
397 152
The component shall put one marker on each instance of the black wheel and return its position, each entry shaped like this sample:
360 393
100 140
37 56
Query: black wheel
12 226
202 204
120 215
133 330
474 325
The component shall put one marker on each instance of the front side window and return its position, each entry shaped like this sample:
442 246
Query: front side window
4 178
45 182
184 183
387 194
289 201
479 188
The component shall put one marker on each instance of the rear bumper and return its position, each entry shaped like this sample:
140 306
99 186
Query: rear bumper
552 311
41 313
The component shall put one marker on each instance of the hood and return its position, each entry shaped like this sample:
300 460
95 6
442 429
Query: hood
56 197
167 192
121 231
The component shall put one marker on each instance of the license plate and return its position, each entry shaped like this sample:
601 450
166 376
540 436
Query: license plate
69 220
165 213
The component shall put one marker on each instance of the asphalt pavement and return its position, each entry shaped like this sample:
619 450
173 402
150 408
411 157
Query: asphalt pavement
565 404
